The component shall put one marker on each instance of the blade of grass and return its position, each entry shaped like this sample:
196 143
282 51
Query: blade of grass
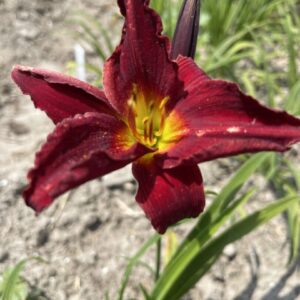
10 285
292 63
158 259
144 292
132 263
207 232
194 262
226 195
232 187
292 104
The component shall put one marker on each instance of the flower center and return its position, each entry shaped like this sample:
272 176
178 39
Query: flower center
149 121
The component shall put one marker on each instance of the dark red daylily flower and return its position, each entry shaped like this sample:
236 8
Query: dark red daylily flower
164 116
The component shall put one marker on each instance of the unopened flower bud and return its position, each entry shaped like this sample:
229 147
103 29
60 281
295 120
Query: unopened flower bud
186 32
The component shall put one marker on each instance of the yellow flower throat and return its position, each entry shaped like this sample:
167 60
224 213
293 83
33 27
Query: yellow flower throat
149 121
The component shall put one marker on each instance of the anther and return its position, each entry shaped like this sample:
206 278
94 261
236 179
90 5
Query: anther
158 133
145 120
134 89
163 103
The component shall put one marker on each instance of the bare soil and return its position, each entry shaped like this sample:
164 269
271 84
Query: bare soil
87 236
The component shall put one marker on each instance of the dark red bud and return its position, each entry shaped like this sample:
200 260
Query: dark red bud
186 32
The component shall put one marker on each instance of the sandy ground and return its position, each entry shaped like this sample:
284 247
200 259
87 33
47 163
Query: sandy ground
87 238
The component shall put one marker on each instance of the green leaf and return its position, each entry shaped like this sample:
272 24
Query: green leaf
168 10
225 197
207 232
145 292
228 193
91 39
292 64
293 216
12 286
295 172
195 261
292 104
133 262
107 296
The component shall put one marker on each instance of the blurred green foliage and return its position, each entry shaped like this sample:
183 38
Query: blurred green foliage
13 286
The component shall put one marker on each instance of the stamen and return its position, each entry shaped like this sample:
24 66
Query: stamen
151 109
145 120
163 103
150 133
147 117
132 113
153 143
161 123
132 106
145 123
162 108
151 105
134 89
158 133
132 123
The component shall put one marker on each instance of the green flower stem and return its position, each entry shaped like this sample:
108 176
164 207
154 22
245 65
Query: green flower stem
158 259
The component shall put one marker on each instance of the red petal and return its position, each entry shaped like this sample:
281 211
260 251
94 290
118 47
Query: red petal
190 73
168 196
121 4
141 58
60 96
80 149
222 121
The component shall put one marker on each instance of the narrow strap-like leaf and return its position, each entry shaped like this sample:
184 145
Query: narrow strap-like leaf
133 261
191 265
14 277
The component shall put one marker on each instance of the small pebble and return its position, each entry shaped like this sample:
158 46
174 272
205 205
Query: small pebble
4 256
18 128
6 89
129 186
93 223
23 15
3 183
42 237
28 33
230 251
88 258
53 272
